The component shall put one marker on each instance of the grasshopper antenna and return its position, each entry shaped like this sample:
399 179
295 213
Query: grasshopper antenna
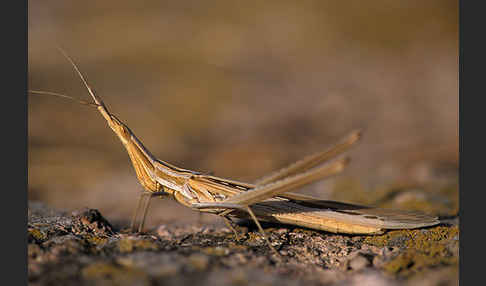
97 100
41 92
99 103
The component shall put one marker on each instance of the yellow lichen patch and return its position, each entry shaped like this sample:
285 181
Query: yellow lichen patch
421 248
412 261
387 239
96 240
37 234
129 245
115 275
254 237
426 240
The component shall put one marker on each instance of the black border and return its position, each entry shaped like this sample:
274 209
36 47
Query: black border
471 142
14 142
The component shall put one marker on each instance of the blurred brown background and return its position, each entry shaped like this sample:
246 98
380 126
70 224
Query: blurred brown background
241 88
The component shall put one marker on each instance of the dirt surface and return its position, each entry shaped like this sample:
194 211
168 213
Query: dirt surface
83 248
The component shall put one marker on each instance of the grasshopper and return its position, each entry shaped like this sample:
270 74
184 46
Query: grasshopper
269 199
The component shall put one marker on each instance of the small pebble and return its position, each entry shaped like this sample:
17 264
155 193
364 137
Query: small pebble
359 262
163 232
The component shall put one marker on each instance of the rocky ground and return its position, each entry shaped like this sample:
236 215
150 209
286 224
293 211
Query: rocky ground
83 248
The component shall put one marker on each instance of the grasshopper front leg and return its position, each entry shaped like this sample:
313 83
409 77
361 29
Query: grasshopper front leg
149 196
135 213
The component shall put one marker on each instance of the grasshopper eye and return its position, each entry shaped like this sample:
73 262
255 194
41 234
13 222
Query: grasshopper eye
124 132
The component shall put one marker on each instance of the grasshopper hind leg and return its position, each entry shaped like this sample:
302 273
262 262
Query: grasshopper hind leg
248 209
229 224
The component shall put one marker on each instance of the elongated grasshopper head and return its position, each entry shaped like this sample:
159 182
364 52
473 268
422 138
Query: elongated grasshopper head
120 129
138 154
